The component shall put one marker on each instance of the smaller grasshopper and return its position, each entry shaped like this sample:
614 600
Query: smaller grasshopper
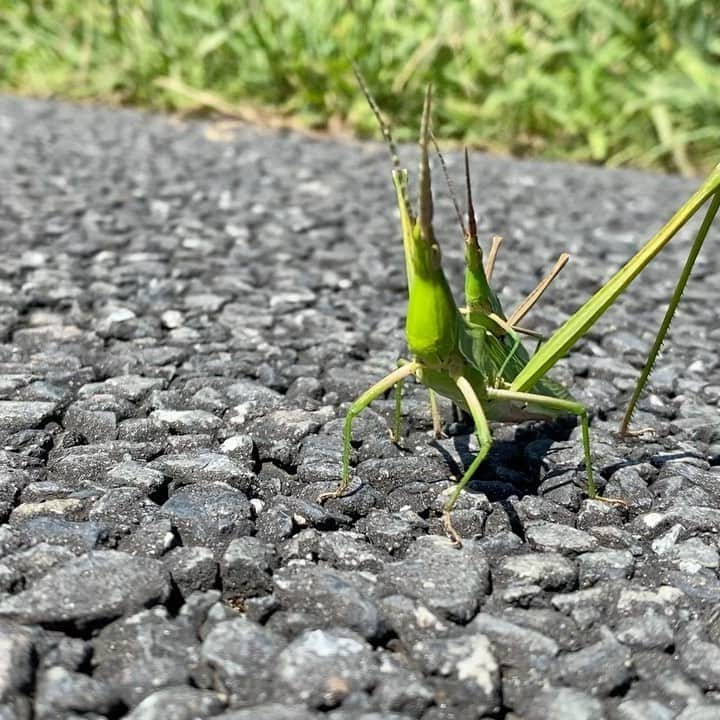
475 357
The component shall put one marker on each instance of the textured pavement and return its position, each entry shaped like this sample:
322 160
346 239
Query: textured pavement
185 311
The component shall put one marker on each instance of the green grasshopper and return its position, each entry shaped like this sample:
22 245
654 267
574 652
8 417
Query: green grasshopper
473 356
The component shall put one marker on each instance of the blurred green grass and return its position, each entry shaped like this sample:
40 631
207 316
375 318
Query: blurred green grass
620 82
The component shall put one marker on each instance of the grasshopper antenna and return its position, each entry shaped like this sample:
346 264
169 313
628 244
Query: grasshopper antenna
384 127
450 185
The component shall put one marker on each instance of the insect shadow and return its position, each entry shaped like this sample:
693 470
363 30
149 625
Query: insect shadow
516 464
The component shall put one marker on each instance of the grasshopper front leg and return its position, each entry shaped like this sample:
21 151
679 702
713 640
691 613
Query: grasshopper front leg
378 389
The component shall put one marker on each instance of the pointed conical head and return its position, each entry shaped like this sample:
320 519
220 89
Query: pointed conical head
432 316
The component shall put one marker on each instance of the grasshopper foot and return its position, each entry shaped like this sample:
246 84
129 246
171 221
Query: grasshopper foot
345 488
636 433
614 502
329 495
450 531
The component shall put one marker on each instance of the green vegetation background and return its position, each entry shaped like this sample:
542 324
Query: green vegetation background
621 82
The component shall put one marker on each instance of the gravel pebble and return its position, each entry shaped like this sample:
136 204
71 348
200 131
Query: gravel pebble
92 588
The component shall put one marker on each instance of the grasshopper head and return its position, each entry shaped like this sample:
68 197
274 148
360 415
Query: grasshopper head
432 316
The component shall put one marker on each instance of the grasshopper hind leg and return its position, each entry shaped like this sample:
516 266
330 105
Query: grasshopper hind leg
669 313
571 407
485 441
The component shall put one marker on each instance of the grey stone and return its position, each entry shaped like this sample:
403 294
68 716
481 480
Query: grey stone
203 467
23 415
694 555
275 522
251 400
307 514
605 565
644 710
617 538
68 509
187 421
140 430
559 538
270 711
134 474
536 507
470 666
192 569
96 587
93 425
595 512
336 597
127 387
77 536
246 568
449 581
586 607
20 708
140 653
241 656
499 545
60 691
87 465
123 508
401 690
393 532
413 482
601 668
695 582
662 675
549 570
278 435
663 599
628 483
548 623
321 668
37 560
178 703
196 607
190 444
558 487
342 549
151 539
649 631
209 514
700 712
560 703
240 449
58 650
17 666
693 518
701 661
319 459
412 621
513 644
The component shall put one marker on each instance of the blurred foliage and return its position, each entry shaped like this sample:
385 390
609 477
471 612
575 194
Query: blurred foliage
621 82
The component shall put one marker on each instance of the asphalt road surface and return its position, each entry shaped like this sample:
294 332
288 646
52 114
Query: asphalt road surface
186 310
